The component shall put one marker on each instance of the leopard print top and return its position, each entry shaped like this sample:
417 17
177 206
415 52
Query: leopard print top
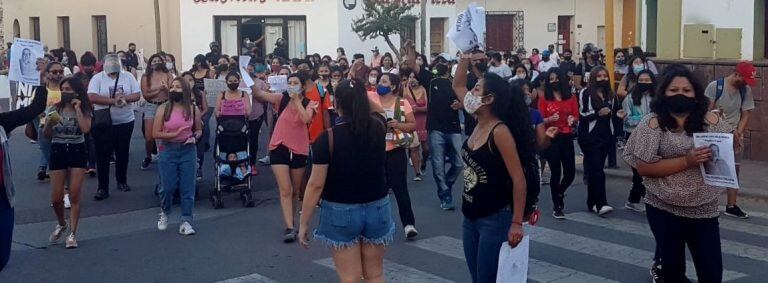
684 193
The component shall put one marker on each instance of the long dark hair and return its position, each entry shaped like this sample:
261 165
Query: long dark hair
509 106
200 60
563 87
151 69
636 95
631 76
592 88
81 94
186 101
695 122
352 101
197 94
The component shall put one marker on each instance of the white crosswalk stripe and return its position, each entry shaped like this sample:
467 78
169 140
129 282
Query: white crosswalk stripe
250 278
396 273
539 271
637 228
743 226
608 250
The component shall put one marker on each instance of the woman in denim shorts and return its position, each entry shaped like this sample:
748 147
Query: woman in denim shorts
350 184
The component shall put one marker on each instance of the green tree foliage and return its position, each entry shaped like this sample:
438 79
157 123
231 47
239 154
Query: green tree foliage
383 19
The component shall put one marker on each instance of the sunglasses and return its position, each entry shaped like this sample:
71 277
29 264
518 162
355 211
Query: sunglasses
57 72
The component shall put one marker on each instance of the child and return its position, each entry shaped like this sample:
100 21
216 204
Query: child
240 173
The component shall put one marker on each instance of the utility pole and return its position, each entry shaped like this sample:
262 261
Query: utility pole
608 48
423 21
158 35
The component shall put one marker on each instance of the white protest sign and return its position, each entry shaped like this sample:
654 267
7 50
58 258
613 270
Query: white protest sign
469 30
477 23
214 87
244 61
720 170
278 83
24 55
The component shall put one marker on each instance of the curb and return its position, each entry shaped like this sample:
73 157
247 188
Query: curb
625 174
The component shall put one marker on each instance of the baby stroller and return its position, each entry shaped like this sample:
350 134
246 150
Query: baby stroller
232 157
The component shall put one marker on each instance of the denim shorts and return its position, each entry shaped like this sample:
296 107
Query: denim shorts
344 225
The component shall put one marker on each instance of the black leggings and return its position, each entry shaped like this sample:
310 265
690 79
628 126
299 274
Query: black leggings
561 158
254 126
117 139
397 173
638 189
595 153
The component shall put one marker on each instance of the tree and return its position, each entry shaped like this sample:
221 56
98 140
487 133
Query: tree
385 20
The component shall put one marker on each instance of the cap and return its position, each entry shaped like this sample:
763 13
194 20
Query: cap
375 49
213 44
748 71
546 53
521 50
445 56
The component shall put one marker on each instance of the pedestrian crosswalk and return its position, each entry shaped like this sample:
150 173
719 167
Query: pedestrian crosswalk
548 267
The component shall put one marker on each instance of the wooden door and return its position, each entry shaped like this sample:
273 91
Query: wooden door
499 32
564 32
436 35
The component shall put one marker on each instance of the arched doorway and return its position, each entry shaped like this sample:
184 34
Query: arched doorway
16 29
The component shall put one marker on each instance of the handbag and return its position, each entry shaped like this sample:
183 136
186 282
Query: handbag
400 138
31 131
102 118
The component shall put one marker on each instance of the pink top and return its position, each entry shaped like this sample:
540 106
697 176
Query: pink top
291 132
177 121
232 107
421 117
390 112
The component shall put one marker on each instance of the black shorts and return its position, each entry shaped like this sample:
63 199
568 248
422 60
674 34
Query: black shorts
65 156
283 156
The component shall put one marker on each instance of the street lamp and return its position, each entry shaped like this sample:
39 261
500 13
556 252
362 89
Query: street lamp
349 4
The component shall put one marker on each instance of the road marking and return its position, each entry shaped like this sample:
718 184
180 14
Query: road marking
250 278
744 227
609 251
396 273
642 229
539 271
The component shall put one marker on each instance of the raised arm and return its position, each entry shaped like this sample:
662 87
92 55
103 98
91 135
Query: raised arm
265 97
12 119
460 80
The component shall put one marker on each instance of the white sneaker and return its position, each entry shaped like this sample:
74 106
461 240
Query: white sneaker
67 204
186 229
410 232
634 207
162 222
605 210
56 235
71 242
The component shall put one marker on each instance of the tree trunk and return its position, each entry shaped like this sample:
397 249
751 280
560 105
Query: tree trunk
396 51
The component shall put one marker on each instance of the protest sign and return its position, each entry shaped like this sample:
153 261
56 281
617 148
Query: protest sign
23 61
469 30
720 170
214 87
244 61
278 83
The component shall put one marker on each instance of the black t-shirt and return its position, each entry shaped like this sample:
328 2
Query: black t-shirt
469 121
440 116
356 171
424 77
213 58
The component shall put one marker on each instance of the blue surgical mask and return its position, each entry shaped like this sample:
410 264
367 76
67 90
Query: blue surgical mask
383 90
638 68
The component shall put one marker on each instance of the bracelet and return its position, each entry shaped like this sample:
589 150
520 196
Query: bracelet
518 223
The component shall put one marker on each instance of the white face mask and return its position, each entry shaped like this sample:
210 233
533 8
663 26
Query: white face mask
372 80
169 65
294 90
472 103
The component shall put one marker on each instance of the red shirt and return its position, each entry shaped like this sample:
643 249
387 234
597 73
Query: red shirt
564 108
317 127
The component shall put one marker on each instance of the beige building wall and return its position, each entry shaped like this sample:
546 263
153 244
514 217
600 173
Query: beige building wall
127 21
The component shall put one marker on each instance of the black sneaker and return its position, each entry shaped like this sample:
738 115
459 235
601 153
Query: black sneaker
735 211
42 174
101 194
145 163
656 274
290 236
123 188
558 213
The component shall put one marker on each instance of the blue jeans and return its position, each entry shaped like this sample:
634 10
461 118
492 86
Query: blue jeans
442 145
6 228
43 143
483 238
177 166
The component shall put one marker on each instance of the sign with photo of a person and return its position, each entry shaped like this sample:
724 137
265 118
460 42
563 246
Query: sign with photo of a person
720 170
23 61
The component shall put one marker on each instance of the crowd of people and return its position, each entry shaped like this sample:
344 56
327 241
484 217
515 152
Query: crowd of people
344 133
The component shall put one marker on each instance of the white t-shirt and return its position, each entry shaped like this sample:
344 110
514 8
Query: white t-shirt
545 66
102 84
502 70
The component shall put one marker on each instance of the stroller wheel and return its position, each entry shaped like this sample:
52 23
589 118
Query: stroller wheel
248 200
216 201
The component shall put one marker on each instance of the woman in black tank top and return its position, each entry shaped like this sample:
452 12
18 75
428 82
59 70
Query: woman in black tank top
500 146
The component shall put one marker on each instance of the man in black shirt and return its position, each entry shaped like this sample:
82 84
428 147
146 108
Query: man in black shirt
215 54
566 63
444 131
131 58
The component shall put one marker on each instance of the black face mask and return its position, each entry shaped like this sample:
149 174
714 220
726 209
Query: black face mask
67 97
606 84
482 66
680 104
644 87
159 66
555 86
89 72
596 57
233 86
567 58
175 96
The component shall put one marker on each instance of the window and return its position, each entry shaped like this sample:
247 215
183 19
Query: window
261 32
436 35
16 29
34 28
64 39
100 36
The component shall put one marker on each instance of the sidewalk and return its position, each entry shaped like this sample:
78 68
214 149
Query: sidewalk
753 177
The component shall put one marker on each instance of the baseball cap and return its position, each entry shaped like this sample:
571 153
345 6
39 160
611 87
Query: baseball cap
747 70
546 53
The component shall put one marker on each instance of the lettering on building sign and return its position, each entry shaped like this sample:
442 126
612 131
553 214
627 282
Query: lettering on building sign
434 2
252 1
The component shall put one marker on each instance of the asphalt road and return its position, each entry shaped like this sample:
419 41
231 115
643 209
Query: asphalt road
119 241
